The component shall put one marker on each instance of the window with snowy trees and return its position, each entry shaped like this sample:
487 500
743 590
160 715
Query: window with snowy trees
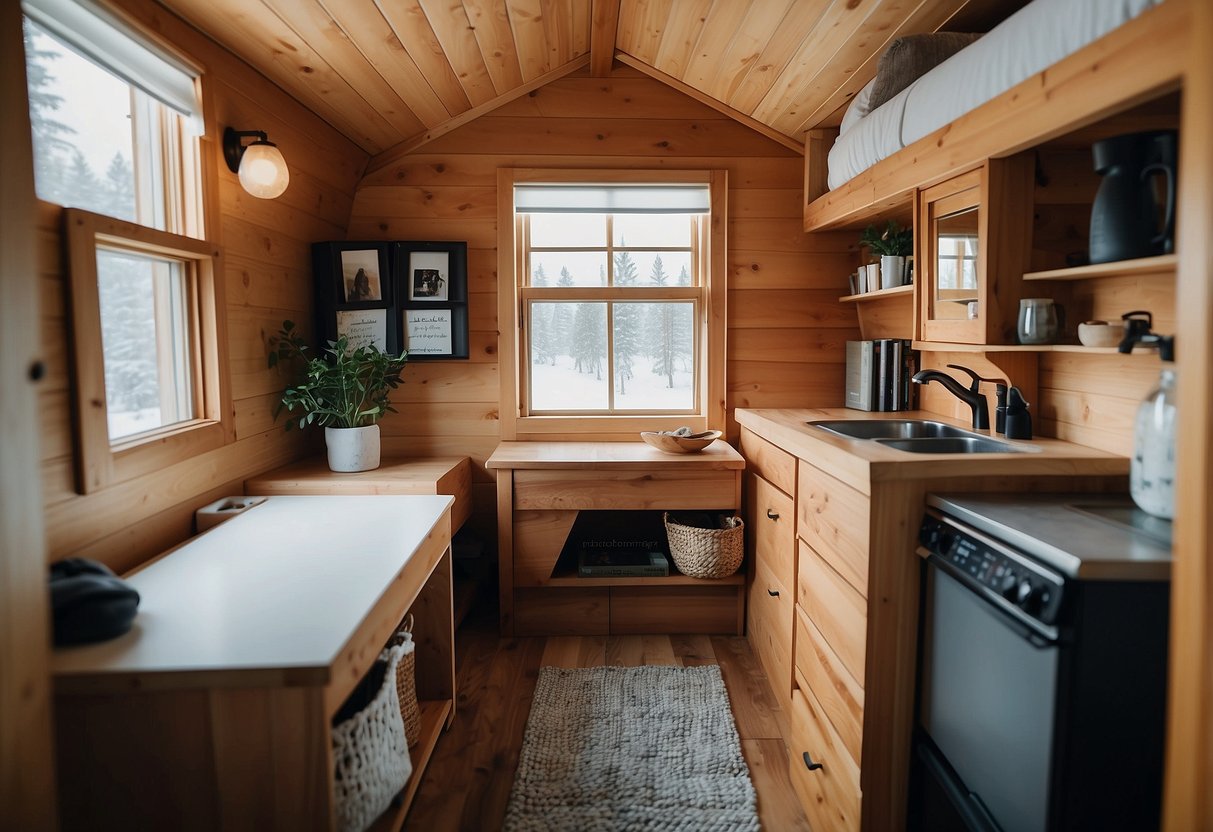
613 288
115 123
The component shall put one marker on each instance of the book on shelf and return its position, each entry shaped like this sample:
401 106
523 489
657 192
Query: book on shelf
879 375
622 563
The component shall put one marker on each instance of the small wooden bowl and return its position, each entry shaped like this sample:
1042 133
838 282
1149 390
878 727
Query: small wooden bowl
672 444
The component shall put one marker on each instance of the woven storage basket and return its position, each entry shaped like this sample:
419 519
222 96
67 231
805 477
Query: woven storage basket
370 753
706 553
406 681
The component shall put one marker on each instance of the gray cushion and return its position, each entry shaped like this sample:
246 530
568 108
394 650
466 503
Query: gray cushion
910 57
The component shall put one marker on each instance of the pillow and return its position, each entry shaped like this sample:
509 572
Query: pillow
910 57
859 107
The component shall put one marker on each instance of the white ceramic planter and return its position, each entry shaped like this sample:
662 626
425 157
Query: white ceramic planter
353 449
892 270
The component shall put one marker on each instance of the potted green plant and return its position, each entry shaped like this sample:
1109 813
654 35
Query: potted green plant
344 390
892 244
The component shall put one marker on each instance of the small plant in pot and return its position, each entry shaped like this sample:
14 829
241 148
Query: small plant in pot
345 391
892 244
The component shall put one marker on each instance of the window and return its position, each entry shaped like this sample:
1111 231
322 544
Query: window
616 286
115 121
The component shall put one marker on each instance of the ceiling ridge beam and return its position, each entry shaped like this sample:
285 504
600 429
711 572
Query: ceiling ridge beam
604 30
399 151
703 98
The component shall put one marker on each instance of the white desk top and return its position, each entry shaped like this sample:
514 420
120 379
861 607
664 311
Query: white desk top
282 586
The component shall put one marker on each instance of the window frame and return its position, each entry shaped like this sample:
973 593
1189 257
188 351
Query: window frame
101 463
710 296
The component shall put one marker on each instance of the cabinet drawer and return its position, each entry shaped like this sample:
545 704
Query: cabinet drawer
833 518
625 489
772 518
830 794
677 609
770 629
773 464
835 608
840 696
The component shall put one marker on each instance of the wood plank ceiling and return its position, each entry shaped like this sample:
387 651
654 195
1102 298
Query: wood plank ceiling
393 74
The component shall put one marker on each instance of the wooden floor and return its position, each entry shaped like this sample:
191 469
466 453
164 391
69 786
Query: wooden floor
467 784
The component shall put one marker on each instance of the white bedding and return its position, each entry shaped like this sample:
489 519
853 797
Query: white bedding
1037 36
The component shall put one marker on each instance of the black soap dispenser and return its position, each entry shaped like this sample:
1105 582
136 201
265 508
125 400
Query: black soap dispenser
1018 419
1000 412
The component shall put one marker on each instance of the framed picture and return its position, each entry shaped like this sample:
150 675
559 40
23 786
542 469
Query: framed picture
431 272
361 275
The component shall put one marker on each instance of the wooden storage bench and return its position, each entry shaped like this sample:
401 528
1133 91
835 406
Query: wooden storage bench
541 489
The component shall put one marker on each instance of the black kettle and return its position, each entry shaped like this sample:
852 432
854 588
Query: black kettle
1127 220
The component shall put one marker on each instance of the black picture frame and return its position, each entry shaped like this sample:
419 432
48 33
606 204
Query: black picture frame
347 304
431 288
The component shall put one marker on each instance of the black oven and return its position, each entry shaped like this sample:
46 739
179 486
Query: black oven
1041 689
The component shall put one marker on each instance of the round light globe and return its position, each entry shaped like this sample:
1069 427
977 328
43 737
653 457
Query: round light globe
263 171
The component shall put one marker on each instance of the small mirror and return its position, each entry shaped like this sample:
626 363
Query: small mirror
956 263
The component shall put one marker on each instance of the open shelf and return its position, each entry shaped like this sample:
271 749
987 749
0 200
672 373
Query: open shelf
1122 268
879 293
563 576
434 714
940 346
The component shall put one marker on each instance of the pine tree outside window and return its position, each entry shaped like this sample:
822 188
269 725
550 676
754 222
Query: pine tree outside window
618 293
116 122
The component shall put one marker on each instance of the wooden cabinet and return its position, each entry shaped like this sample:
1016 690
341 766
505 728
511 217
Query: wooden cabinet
974 239
542 487
214 712
771 517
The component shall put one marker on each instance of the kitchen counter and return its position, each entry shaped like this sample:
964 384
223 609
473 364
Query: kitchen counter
860 462
843 653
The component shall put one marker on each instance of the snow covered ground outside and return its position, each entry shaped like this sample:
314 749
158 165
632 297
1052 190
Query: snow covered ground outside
560 387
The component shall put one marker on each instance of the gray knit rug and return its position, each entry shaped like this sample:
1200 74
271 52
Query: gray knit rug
631 748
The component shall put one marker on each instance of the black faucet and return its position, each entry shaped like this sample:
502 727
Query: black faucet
972 396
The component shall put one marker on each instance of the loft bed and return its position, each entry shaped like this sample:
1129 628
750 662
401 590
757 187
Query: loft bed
1132 64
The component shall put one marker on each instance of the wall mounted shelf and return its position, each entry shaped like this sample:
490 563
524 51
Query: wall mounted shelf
1122 268
908 289
941 346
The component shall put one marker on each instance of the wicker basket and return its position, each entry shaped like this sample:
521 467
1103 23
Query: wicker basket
406 681
370 754
706 553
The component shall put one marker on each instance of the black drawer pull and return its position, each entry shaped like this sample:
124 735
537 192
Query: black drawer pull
809 764
773 593
772 515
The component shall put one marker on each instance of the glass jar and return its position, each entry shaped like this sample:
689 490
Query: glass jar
1152 471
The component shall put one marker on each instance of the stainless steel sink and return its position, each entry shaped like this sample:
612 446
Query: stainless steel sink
952 445
892 429
920 436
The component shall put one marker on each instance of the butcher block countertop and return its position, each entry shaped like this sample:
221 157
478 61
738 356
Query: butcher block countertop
859 462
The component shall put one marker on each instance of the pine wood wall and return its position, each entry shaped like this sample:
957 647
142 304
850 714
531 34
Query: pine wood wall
786 331
267 266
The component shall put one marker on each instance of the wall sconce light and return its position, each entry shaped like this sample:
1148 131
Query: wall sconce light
262 170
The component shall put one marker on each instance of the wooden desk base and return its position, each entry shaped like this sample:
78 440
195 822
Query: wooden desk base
541 488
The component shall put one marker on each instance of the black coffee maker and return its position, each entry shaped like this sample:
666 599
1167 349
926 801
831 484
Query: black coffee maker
1127 219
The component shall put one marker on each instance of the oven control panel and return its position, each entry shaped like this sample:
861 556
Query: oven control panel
1009 576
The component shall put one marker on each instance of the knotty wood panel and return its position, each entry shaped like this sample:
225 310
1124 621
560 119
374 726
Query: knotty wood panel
268 279
781 281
